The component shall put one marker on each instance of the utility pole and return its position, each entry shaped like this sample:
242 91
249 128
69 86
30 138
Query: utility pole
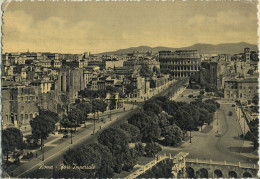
71 135
94 126
110 114
42 152
190 135
217 117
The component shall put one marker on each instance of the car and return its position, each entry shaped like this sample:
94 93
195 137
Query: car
190 96
233 105
218 134
65 136
230 113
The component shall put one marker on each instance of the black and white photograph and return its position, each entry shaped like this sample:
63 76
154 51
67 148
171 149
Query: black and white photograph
130 89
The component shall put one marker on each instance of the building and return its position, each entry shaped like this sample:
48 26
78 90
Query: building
19 105
243 89
181 63
137 64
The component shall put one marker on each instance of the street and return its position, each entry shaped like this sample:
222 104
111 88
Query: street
55 153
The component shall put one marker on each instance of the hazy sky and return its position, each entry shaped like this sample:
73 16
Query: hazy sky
76 27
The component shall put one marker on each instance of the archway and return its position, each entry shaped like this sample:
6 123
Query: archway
247 175
218 174
190 172
202 173
232 174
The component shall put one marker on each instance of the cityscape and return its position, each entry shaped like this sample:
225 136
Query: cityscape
106 110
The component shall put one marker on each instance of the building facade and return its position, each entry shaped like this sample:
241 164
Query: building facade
181 63
243 89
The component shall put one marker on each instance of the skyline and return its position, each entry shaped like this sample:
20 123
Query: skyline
77 27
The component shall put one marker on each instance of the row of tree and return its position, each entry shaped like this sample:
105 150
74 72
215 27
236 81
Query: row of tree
79 113
111 153
163 120
93 94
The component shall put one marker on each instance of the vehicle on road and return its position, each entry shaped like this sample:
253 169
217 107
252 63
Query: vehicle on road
230 113
190 96
233 105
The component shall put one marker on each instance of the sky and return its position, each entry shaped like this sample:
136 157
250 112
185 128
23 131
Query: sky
77 27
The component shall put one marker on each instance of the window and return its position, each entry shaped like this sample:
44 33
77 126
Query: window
21 117
26 116
31 116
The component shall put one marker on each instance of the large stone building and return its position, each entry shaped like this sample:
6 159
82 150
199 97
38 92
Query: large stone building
243 89
181 63
19 105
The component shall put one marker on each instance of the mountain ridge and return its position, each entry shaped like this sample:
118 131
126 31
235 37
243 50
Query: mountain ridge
223 48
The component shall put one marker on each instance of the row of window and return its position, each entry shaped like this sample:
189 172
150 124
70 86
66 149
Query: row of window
180 67
178 62
13 118
241 87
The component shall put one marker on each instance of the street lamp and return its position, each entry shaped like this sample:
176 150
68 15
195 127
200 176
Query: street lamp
190 135
70 134
217 117
110 113
42 150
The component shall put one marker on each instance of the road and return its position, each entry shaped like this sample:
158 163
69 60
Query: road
227 147
53 155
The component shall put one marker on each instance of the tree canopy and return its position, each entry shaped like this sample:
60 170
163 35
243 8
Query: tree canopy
148 125
42 126
98 105
133 132
115 139
173 135
12 139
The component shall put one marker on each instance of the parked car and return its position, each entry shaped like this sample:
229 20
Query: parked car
230 113
190 96
233 105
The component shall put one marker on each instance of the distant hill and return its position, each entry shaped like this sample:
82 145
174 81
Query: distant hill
228 48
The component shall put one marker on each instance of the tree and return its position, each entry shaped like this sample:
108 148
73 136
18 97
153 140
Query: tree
86 108
133 132
145 71
148 125
151 106
173 135
212 101
139 148
42 126
106 168
51 114
115 139
163 118
98 105
84 156
76 116
156 70
12 139
129 89
151 149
